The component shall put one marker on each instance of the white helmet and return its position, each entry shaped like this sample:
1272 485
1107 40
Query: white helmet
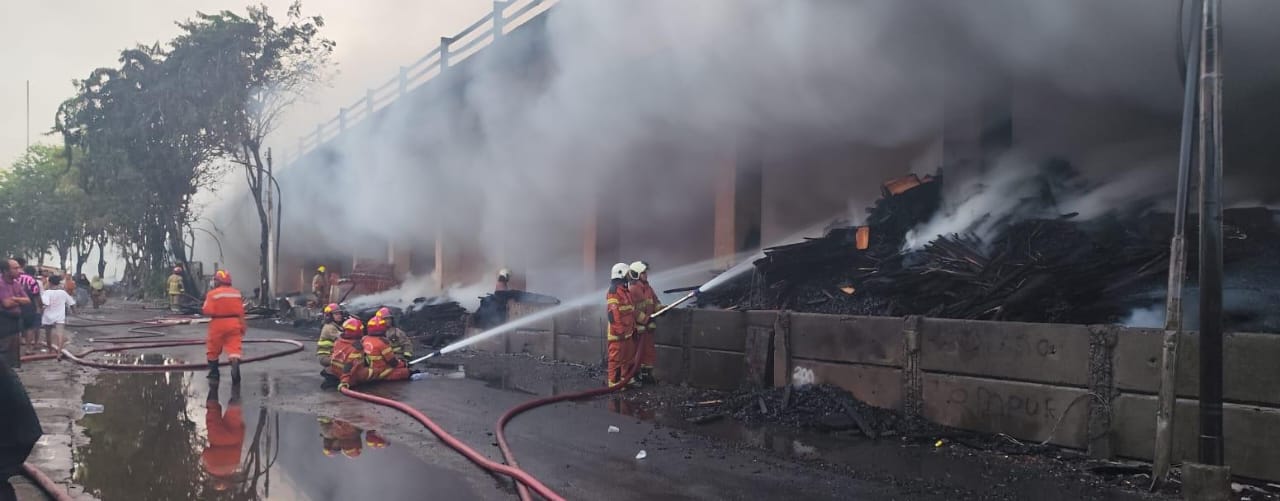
619 271
637 268
504 273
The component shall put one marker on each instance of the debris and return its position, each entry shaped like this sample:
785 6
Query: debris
704 403
614 429
938 443
90 408
709 418
853 413
642 454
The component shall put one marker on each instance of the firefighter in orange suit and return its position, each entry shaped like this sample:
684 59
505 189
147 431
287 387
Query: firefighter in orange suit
384 364
348 361
226 307
647 304
621 313
339 435
373 439
221 457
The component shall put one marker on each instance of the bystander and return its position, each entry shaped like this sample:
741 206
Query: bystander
12 298
56 301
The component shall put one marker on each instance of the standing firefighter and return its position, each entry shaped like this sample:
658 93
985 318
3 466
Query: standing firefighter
621 313
175 288
221 457
320 286
225 306
97 289
400 341
647 304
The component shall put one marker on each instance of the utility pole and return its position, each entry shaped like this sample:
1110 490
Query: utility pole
1163 455
271 236
1210 478
28 115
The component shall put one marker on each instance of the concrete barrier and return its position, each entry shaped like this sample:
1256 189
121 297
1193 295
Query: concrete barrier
1086 387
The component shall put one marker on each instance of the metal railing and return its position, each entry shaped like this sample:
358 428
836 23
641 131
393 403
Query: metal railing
505 17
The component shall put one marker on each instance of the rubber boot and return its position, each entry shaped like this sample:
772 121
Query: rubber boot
213 370
235 371
213 391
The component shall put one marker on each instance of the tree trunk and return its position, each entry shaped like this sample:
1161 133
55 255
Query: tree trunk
82 254
102 256
179 250
257 182
64 257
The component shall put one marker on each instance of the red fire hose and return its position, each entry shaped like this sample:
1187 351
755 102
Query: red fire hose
521 477
45 483
500 428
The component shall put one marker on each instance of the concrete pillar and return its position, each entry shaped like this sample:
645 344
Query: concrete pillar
601 240
738 190
399 257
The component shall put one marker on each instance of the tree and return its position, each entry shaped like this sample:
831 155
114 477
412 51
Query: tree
42 205
258 68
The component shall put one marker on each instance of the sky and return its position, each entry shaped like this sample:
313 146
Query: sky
52 42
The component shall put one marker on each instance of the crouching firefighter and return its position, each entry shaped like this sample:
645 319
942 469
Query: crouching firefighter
226 331
647 303
329 334
384 364
620 311
348 355
400 341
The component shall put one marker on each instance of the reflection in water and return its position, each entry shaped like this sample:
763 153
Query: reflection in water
128 358
162 437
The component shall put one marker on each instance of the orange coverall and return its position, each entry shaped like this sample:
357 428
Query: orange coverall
646 301
621 330
221 458
381 358
226 307
348 363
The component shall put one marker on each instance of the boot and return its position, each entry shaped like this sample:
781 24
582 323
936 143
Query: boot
213 370
213 391
235 371
646 375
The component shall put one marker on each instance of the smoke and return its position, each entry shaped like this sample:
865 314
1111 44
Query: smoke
642 101
1151 318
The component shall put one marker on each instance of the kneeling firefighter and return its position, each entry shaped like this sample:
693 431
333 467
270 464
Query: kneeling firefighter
400 341
348 355
384 364
621 313
226 331
329 333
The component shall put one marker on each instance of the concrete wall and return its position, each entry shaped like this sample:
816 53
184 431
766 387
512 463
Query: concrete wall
1085 387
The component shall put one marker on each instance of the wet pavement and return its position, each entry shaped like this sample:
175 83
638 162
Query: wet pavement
162 436
198 441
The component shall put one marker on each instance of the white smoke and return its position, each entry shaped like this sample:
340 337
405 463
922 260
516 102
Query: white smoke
1151 318
642 100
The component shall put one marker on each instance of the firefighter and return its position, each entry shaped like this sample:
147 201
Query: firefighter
400 341
384 364
504 280
348 356
320 286
338 435
225 306
620 310
97 289
175 288
221 457
329 334
647 304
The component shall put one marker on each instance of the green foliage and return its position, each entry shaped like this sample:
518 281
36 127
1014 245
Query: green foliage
42 205
146 136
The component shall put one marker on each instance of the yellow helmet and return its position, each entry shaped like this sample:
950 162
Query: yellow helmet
320 269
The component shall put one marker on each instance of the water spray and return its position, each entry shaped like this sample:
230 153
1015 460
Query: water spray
424 357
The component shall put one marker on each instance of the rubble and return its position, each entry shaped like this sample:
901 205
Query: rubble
817 407
493 309
1056 268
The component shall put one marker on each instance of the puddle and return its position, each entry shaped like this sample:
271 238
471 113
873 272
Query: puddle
165 436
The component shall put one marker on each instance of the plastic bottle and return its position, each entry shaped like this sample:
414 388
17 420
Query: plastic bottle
89 408
418 377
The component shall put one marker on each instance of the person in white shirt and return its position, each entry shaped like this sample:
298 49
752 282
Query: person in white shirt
56 301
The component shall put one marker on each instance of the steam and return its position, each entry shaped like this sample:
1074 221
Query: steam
1151 318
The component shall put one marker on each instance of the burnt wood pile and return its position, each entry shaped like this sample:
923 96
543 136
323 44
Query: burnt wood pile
1054 268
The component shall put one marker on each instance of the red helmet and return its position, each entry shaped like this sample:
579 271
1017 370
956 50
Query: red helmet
377 325
223 277
352 326
383 312
332 308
